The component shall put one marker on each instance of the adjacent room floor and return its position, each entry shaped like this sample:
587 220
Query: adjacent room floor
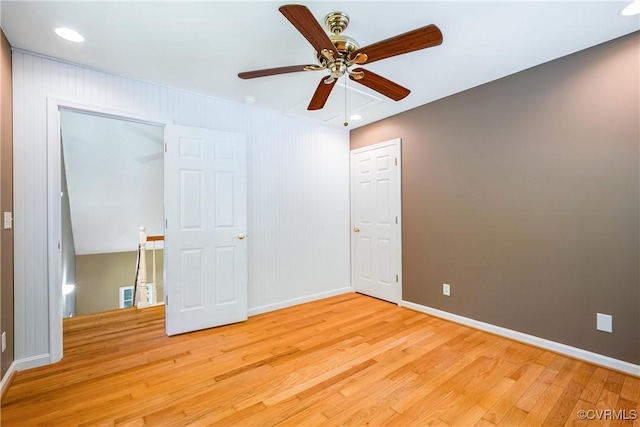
346 360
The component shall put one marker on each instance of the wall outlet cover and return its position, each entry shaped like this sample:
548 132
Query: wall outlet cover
446 289
604 322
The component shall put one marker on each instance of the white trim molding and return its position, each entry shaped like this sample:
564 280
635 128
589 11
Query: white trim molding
32 362
54 225
21 365
297 301
8 377
556 347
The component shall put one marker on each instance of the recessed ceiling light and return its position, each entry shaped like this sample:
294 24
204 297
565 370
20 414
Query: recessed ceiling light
250 99
69 34
630 9
355 117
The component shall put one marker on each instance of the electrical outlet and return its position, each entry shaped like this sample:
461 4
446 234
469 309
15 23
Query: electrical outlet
446 289
4 341
604 322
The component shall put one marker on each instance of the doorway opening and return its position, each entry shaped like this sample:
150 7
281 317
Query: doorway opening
204 220
111 186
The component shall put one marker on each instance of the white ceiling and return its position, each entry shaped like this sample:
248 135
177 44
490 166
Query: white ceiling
201 46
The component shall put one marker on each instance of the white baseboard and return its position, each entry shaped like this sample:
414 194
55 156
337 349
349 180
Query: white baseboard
567 350
6 380
295 301
33 362
21 365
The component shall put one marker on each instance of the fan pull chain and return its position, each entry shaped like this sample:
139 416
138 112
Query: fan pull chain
345 100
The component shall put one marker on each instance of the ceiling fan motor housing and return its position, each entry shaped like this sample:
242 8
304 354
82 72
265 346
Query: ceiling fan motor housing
337 22
345 45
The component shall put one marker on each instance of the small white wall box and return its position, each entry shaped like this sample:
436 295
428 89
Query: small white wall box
604 322
446 289
8 220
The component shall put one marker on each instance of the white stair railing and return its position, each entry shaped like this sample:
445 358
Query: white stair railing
146 292
141 286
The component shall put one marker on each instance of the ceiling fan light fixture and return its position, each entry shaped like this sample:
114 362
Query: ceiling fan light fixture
337 53
630 9
69 34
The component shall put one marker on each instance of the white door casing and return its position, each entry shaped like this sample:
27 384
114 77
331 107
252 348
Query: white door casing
54 212
376 247
206 221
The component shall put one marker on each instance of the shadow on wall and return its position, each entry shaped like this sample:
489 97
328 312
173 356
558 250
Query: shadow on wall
100 276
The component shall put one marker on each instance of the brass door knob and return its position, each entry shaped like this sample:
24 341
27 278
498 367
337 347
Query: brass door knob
241 236
356 229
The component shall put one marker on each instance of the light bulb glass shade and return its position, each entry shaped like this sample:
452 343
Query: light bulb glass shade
631 9
69 34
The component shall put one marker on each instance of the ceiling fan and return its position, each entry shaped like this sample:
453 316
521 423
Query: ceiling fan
338 53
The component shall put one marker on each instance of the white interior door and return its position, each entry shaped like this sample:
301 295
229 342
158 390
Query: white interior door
376 228
206 221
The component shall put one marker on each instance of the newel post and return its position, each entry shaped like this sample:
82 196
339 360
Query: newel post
143 298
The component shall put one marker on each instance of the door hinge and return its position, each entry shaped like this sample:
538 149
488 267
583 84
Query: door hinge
396 278
166 224
165 147
395 160
396 219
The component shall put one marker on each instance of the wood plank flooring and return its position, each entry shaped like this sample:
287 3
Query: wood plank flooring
345 360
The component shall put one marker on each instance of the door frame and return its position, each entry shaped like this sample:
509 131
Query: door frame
54 206
397 144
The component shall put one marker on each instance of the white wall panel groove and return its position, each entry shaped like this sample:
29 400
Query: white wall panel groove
298 186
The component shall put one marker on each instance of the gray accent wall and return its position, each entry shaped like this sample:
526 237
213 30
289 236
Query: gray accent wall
100 276
523 194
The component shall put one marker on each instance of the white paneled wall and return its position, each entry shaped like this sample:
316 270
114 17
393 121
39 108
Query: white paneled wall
299 233
298 180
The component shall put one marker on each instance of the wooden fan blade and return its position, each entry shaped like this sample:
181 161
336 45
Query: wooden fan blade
420 38
380 84
306 24
273 71
321 95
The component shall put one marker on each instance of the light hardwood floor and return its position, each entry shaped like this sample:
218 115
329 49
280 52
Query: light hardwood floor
346 360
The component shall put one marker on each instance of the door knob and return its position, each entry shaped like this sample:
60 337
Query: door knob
356 229
241 236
